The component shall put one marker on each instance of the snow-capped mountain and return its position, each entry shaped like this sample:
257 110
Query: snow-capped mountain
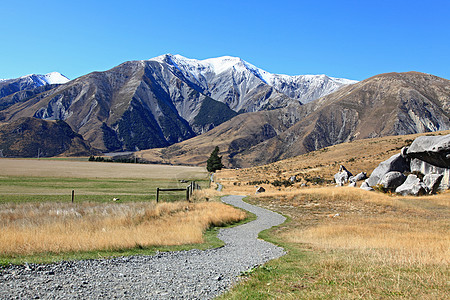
227 80
29 82
157 102
217 75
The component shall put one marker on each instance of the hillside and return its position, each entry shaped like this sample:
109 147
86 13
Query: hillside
320 166
384 105
31 137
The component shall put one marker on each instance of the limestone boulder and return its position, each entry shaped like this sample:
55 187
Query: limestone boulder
423 167
342 177
412 186
365 186
260 189
358 177
434 150
396 163
392 180
432 182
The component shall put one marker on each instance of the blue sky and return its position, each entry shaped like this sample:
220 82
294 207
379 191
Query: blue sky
350 39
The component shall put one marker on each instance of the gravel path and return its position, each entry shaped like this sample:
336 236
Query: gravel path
190 274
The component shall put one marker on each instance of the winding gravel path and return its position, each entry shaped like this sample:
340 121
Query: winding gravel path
190 274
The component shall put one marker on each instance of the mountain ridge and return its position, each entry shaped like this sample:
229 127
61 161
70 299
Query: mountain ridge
149 103
386 104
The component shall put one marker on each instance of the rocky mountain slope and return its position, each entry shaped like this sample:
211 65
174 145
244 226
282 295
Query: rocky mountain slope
384 105
161 101
31 137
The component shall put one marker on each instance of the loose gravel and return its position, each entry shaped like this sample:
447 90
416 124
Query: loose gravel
190 274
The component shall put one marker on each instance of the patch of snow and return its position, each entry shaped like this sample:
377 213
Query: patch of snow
55 78
40 80
218 72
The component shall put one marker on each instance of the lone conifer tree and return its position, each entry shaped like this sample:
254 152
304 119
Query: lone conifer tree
214 162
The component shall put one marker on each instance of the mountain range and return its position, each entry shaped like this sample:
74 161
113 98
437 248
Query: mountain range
182 108
161 101
383 105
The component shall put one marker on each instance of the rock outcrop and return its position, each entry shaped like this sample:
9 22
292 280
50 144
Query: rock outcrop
426 162
395 163
412 186
358 177
391 180
342 177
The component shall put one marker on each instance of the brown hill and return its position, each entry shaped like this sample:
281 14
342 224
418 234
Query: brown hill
232 137
320 166
31 137
383 105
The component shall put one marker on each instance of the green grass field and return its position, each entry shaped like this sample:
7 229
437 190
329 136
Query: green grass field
31 189
23 180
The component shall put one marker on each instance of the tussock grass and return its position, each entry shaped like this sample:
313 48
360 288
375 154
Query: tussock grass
398 229
382 240
32 228
346 243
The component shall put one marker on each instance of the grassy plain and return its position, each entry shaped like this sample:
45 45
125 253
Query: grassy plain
38 222
24 180
346 243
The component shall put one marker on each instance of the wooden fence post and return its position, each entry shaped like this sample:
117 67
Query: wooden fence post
187 193
73 195
157 195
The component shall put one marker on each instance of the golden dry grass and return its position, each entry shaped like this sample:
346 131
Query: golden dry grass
384 228
63 227
347 243
357 156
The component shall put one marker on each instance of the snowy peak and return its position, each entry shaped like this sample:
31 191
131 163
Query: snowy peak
39 80
50 78
28 82
54 78
304 88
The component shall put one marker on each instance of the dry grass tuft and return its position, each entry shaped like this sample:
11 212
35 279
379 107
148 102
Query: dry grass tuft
210 194
394 229
33 228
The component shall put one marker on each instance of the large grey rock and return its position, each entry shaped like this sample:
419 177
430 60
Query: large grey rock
423 167
394 163
412 186
358 177
392 180
365 186
342 177
432 182
434 150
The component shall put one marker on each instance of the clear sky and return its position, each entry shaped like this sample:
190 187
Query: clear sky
350 39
